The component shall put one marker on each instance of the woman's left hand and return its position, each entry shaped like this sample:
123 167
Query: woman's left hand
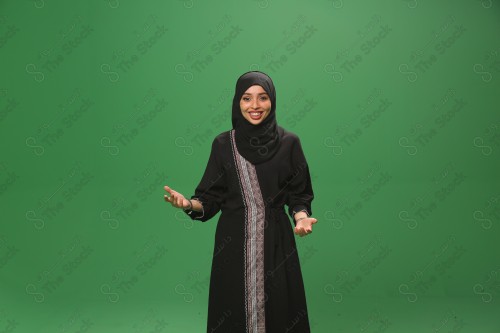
304 226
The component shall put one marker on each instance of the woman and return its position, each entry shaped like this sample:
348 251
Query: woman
253 171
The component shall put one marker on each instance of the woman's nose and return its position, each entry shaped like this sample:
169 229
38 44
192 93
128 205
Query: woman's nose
255 103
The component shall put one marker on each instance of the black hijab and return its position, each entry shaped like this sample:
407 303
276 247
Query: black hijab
256 143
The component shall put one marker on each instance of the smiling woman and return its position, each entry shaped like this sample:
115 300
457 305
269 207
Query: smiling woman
253 171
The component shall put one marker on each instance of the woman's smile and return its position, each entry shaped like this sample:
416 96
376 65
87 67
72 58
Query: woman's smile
256 115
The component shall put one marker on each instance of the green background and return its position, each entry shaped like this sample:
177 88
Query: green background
102 103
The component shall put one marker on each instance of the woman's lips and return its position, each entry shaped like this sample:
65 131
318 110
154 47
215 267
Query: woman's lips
255 115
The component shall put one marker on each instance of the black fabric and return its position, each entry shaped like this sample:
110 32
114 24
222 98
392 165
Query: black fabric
284 180
256 143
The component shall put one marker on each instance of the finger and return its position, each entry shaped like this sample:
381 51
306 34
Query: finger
168 189
167 199
314 221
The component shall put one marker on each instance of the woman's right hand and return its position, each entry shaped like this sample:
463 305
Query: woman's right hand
176 199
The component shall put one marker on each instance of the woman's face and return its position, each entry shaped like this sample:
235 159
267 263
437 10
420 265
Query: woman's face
255 104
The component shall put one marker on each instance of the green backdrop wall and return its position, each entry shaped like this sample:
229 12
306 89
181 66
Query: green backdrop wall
102 103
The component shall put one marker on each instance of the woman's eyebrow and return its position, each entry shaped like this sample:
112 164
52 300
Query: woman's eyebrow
257 94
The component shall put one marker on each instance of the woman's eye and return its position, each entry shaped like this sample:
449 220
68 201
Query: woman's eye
262 98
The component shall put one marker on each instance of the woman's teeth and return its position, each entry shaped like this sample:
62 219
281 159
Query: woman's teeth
255 115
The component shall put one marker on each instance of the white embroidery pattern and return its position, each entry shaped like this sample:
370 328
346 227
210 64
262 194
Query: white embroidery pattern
254 241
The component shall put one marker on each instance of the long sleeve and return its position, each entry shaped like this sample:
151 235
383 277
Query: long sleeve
299 188
211 189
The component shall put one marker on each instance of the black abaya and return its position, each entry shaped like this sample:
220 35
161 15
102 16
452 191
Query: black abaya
256 283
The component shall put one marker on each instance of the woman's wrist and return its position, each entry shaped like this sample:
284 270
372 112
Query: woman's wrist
195 206
190 206
300 216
